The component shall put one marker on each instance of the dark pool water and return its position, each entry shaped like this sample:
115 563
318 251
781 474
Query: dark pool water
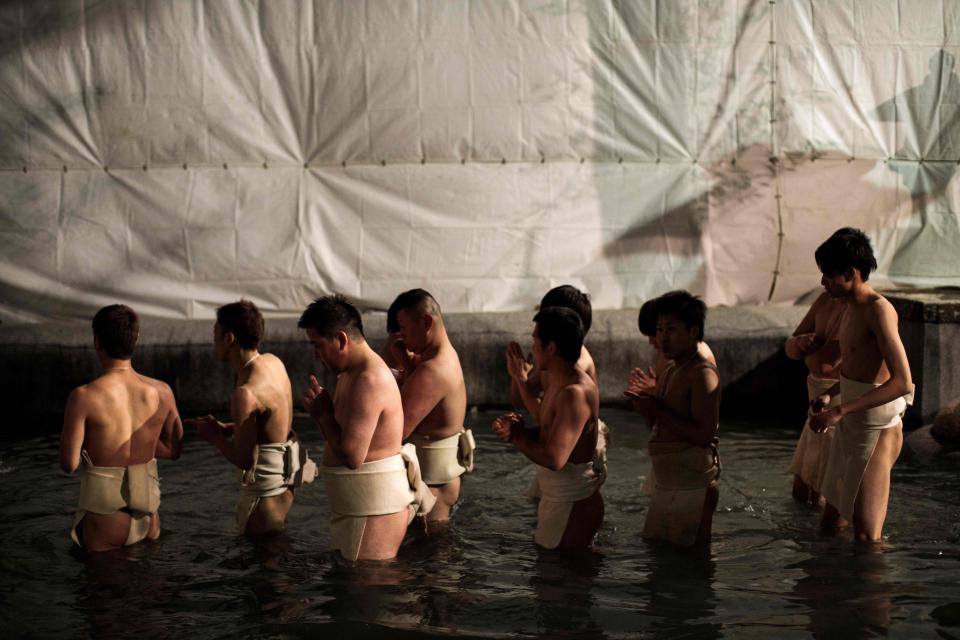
767 575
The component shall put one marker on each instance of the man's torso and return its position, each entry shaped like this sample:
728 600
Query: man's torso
860 352
384 396
269 383
583 450
124 418
446 418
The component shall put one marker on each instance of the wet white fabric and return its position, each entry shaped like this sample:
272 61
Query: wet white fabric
445 459
174 155
813 449
106 490
278 466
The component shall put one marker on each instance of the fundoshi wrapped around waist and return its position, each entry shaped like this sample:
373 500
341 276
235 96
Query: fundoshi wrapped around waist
373 489
105 490
681 466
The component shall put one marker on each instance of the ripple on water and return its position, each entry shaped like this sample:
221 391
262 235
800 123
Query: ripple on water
767 574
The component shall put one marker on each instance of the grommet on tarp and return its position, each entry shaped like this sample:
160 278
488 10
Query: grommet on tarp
65 168
503 161
184 166
543 159
463 161
344 164
306 165
265 166
383 163
144 167
225 167
851 159
619 160
423 161
25 166
921 160
733 161
582 160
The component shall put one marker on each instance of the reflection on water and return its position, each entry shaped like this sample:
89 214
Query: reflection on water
767 574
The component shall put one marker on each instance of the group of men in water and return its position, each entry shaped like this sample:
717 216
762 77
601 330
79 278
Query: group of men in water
395 443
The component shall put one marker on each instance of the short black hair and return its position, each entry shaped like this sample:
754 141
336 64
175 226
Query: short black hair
647 318
563 327
393 325
845 249
244 321
690 309
117 328
419 300
569 297
329 314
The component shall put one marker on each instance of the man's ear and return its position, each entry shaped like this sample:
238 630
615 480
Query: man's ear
427 321
96 344
229 338
848 274
342 340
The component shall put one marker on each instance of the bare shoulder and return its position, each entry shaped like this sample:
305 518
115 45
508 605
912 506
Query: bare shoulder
166 393
243 396
82 395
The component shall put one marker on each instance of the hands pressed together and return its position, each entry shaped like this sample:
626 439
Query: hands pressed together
317 401
518 365
209 428
508 427
641 389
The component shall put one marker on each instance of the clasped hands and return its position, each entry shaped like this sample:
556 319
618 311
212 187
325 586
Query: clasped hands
518 365
211 429
317 401
641 389
508 427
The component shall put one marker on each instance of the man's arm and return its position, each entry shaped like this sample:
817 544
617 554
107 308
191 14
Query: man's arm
422 391
798 344
525 382
71 438
701 428
170 443
572 410
350 438
239 449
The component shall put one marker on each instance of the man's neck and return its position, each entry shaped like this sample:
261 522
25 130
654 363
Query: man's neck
108 364
240 358
861 292
360 353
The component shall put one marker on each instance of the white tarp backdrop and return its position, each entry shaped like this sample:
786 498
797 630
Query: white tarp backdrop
175 155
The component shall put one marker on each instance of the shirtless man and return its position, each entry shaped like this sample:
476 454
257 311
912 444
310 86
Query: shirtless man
815 342
565 446
684 412
647 323
434 400
261 406
875 388
118 425
363 428
527 382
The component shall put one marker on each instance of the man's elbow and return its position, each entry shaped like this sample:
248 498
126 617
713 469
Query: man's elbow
68 466
555 463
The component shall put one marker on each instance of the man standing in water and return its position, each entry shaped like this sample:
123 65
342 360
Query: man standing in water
373 483
118 425
434 400
263 445
570 470
684 412
815 341
875 387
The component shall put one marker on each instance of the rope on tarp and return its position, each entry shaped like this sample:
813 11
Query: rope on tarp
775 152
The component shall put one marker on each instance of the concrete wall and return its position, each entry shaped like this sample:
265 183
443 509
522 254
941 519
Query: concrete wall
40 364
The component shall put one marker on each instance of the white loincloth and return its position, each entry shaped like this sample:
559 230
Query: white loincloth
854 442
106 490
559 490
279 466
677 485
443 461
603 438
377 488
813 449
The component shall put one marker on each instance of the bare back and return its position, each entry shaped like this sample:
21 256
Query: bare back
435 395
556 401
118 419
266 380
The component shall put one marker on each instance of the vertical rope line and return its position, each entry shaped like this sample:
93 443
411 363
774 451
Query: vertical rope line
775 147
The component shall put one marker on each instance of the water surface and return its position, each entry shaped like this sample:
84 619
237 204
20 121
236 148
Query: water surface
768 574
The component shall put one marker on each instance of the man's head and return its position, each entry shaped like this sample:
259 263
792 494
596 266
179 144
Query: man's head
418 315
680 320
647 321
558 333
239 325
569 297
843 258
115 331
332 325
